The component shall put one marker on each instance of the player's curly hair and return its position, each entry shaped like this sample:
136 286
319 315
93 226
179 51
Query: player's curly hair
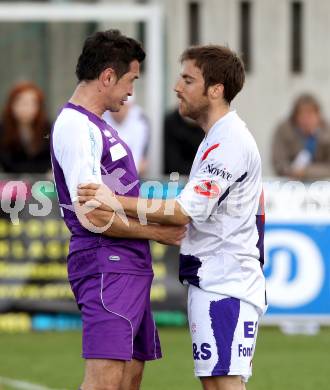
107 49
219 65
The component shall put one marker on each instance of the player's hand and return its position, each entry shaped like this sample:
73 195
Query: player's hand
98 195
171 235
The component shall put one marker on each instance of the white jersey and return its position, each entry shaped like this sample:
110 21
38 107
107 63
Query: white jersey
77 148
223 248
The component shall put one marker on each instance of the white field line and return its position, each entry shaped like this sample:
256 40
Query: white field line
22 385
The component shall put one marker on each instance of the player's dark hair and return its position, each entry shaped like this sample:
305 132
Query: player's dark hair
219 65
107 49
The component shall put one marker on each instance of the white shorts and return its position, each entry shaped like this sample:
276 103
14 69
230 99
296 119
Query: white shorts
223 331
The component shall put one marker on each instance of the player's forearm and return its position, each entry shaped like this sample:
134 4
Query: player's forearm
167 212
113 225
133 230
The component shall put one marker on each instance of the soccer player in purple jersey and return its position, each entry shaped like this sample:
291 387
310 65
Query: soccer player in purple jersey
109 270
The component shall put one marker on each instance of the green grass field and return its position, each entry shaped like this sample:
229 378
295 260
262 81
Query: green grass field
281 362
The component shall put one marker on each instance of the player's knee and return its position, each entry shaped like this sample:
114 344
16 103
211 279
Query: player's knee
102 386
230 382
110 383
136 381
103 375
132 377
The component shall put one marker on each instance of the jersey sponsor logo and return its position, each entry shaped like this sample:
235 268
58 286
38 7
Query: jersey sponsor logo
114 258
207 188
203 353
222 172
250 329
208 151
245 351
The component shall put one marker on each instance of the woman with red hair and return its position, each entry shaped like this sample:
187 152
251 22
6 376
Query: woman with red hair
24 129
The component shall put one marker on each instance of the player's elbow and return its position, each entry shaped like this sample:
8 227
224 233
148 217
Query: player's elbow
95 220
99 218
182 220
180 217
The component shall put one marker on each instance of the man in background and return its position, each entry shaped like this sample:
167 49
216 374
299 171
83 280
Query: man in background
182 137
133 127
301 144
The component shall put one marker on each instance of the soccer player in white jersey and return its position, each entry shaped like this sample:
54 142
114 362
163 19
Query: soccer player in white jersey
222 254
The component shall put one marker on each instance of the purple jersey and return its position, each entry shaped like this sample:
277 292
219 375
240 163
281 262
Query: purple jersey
84 148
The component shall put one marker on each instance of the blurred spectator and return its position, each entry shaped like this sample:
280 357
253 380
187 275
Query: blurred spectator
24 129
301 145
182 136
133 128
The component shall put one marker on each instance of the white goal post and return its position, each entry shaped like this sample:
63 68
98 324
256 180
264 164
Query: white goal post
151 14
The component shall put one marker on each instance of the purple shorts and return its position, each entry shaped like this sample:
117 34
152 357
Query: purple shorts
116 316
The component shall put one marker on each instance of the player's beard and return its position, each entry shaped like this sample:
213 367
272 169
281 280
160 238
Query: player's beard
194 111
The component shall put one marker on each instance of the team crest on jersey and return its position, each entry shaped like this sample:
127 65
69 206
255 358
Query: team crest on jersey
222 172
207 188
